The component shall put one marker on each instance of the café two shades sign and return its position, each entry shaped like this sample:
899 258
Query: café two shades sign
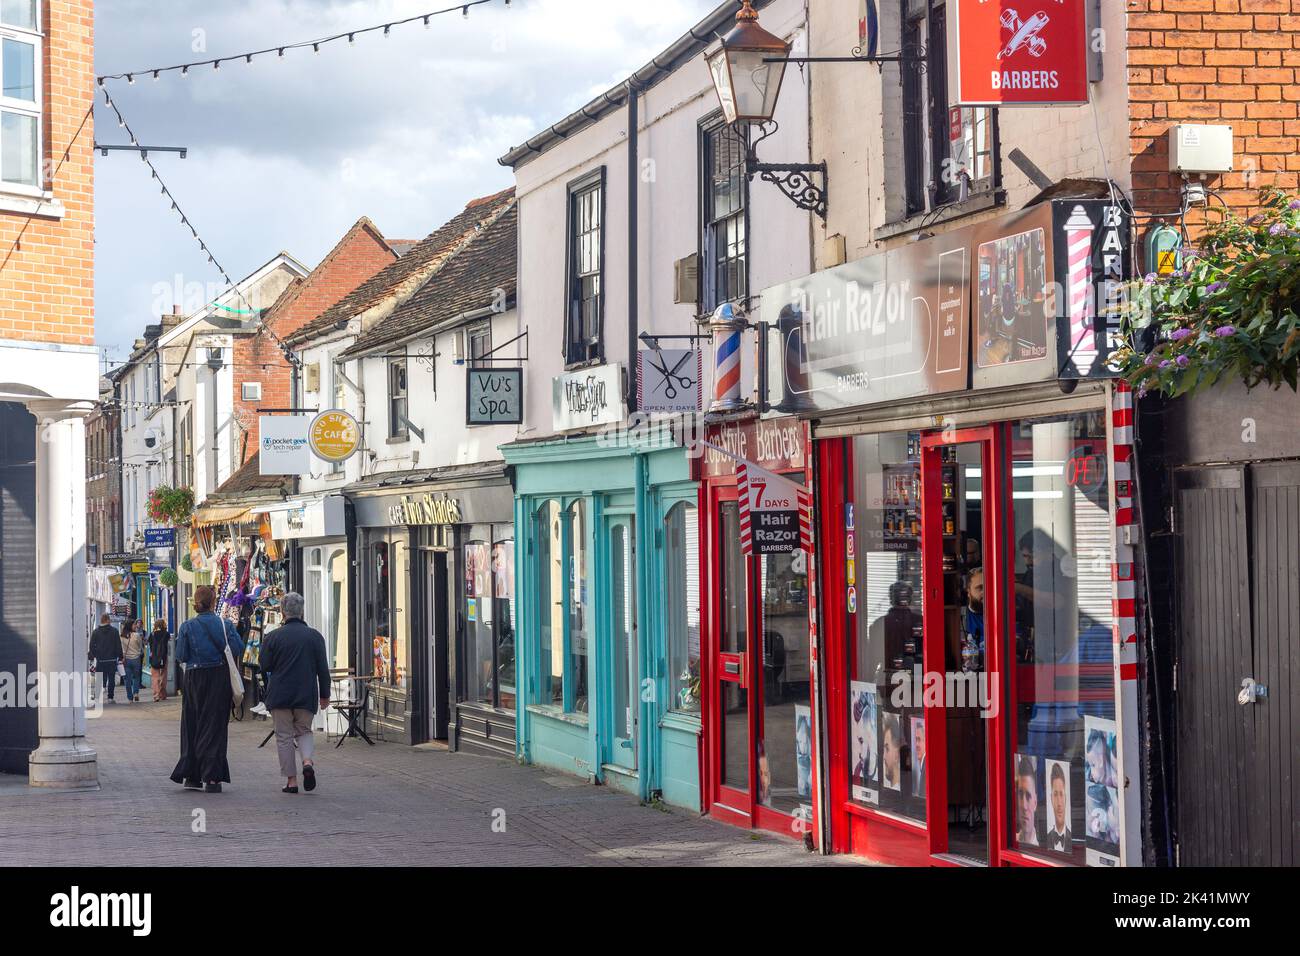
1021 52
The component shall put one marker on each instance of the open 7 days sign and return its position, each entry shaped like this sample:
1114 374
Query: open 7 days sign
1021 52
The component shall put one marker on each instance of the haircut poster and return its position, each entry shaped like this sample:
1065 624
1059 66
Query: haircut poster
1101 785
864 751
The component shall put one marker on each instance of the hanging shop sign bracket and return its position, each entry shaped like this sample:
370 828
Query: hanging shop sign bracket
487 357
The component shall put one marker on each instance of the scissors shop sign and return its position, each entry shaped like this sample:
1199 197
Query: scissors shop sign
670 380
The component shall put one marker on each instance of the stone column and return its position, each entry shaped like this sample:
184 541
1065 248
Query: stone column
63 760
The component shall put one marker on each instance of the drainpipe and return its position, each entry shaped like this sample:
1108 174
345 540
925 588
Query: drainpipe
633 136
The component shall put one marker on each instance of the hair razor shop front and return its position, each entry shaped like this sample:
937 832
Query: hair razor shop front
970 477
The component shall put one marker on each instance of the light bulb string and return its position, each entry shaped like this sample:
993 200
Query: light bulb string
279 49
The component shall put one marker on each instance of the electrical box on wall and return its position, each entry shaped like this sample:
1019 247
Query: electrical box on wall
1200 149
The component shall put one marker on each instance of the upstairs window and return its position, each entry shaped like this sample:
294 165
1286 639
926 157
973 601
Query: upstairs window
397 401
950 154
20 94
724 264
586 260
480 344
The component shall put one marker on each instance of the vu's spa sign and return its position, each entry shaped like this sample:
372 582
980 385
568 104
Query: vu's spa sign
588 397
494 396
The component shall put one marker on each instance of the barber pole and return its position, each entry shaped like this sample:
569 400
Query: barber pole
727 326
1083 338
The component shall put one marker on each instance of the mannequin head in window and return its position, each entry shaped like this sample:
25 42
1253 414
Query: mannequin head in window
1037 547
900 594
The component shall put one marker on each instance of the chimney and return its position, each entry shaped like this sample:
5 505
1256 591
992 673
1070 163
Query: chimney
139 344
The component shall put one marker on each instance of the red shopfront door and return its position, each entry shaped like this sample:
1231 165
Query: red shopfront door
758 729
964 553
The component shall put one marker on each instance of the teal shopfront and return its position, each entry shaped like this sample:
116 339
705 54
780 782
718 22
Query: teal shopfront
607 571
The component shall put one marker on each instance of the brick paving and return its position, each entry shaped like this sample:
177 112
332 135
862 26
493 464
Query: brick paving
384 805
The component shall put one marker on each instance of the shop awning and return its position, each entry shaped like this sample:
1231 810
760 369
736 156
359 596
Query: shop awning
219 514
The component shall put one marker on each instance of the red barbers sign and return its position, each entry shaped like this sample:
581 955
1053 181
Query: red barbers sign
1022 52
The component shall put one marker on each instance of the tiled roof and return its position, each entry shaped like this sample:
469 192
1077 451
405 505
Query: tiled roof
431 252
478 275
248 480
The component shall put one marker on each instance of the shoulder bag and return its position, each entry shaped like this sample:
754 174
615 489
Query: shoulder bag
236 681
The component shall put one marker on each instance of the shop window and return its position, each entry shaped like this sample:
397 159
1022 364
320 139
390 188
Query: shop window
336 638
1064 787
734 703
949 154
381 635
886 741
563 597
682 601
585 268
401 586
398 409
785 750
479 638
575 697
724 251
20 95
550 602
503 599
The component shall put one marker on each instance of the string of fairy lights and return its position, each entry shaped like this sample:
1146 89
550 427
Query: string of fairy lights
280 49
215 63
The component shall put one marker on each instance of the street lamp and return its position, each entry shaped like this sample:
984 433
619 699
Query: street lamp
747 71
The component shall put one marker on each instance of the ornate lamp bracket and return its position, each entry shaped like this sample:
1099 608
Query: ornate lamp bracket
794 179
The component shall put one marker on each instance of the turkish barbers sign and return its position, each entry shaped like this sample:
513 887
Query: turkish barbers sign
588 397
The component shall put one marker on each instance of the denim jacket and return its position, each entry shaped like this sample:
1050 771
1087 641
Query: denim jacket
198 642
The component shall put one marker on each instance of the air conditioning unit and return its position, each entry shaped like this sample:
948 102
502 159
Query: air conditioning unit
686 280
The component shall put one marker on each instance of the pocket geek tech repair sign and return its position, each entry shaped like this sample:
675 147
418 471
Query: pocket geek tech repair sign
1021 52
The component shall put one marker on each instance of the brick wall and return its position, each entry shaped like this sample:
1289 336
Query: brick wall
360 254
1221 62
47 265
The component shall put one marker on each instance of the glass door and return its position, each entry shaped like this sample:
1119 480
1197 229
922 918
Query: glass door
731 718
626 699
962 547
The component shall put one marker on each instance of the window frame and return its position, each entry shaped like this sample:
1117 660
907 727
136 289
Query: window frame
34 108
927 147
708 295
398 430
472 332
338 394
578 353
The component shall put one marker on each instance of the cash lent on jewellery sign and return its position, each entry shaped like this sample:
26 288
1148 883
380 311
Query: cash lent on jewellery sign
282 445
775 512
1021 52
334 435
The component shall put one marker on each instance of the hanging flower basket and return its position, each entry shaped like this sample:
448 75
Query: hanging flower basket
172 506
167 578
1232 312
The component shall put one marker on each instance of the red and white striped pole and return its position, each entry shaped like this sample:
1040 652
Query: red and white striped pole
1083 337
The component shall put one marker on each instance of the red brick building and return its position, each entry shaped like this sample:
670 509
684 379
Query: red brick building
1215 62
259 360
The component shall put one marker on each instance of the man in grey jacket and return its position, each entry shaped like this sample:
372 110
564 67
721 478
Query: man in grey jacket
106 651
294 660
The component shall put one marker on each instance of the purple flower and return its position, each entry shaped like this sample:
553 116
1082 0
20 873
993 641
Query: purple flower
1214 287
1150 278
1183 361
1151 360
1166 363
1179 334
1293 204
1276 229
1224 331
1142 391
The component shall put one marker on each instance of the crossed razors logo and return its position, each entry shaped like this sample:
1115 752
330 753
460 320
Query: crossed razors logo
1024 33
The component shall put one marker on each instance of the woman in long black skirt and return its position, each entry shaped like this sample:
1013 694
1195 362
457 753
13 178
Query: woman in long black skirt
205 710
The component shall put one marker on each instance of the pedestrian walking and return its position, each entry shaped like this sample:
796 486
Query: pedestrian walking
159 645
294 660
205 709
133 660
106 651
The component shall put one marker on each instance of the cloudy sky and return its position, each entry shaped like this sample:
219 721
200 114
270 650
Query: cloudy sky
285 154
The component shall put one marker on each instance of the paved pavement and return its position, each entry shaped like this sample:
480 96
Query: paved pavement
384 805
